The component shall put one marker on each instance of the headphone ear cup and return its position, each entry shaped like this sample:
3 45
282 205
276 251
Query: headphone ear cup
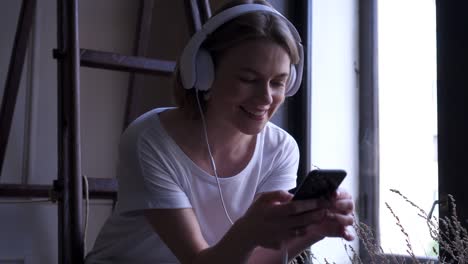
204 70
292 78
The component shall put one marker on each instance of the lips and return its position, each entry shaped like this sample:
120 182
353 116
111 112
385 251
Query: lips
255 114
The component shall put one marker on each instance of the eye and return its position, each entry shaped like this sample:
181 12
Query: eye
247 79
278 83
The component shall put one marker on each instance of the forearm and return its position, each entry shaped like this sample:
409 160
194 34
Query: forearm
235 247
296 246
293 247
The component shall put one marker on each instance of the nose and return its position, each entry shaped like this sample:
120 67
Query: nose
265 93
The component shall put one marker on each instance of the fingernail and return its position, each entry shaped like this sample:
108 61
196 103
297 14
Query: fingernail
348 236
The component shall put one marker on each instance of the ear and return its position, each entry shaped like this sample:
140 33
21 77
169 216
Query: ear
204 70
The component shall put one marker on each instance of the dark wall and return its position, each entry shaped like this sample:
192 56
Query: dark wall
452 71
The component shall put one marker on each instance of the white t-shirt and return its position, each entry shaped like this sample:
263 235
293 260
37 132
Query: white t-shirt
154 172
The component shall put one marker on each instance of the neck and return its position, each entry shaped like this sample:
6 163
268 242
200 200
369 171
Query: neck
230 148
225 141
230 152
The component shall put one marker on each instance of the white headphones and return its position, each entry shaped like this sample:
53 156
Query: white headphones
196 65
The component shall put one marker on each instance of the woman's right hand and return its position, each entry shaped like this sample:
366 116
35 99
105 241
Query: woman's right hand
272 219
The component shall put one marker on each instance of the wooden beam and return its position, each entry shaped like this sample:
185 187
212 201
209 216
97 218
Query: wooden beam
114 61
205 10
98 188
25 191
192 11
18 54
142 40
70 209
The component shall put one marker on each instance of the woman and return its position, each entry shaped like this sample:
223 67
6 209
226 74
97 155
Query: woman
207 182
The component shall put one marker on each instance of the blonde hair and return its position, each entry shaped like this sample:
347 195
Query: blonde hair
249 26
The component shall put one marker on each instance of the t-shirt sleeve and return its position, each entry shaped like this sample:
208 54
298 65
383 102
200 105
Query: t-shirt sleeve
283 167
146 178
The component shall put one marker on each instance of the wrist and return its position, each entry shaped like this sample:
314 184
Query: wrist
299 244
236 246
242 234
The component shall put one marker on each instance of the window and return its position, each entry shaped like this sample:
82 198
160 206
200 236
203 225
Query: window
407 121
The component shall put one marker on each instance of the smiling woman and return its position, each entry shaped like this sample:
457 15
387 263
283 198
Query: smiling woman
246 27
207 182
249 87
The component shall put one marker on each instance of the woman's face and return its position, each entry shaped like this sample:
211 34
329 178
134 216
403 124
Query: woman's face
249 87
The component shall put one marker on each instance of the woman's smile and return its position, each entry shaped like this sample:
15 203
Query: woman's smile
249 86
258 115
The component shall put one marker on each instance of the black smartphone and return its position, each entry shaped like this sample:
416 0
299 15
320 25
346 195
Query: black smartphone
318 184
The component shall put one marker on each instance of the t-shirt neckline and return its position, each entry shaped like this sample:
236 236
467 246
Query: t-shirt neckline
199 170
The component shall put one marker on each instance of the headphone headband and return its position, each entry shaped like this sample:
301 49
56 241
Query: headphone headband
193 57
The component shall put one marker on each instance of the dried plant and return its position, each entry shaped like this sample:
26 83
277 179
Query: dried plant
451 237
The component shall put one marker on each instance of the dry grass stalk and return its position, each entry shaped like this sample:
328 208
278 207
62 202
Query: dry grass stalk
451 237
402 229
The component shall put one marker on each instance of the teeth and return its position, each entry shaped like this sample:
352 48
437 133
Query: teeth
257 113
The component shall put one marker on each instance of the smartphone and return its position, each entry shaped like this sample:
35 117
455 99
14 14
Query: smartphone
318 184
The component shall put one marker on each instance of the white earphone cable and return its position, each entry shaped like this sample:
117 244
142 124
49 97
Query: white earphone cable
211 157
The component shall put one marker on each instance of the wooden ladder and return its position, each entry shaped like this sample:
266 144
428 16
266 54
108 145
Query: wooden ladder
67 190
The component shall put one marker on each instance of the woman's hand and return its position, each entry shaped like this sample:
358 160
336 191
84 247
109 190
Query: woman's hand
273 219
276 222
338 216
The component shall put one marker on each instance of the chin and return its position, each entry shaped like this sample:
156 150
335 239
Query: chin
252 130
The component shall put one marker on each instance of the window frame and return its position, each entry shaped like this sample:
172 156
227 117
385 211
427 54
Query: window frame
368 200
299 105
369 171
452 62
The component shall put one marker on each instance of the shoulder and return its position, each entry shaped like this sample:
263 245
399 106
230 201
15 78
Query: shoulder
146 120
278 143
145 127
274 135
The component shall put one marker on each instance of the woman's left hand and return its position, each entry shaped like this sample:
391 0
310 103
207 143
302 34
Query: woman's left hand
311 221
337 219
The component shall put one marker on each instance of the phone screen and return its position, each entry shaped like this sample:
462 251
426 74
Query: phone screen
318 184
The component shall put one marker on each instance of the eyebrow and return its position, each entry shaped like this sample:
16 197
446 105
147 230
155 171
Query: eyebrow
249 70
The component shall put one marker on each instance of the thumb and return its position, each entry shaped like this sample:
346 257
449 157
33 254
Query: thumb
276 197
